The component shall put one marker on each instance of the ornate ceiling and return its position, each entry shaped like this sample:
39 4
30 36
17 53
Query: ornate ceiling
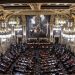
8 9
66 10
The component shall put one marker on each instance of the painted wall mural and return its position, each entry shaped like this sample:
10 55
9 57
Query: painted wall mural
37 26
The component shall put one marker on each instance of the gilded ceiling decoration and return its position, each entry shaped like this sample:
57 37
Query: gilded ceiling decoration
36 8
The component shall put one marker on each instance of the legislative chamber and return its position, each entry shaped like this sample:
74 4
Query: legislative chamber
37 38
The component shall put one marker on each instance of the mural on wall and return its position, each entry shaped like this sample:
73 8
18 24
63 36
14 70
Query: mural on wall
37 26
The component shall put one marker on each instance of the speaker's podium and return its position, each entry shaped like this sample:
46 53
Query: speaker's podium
38 43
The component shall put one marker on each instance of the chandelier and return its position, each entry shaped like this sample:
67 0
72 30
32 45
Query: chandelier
59 20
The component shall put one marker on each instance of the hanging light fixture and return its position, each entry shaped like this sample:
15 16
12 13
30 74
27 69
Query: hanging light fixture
60 20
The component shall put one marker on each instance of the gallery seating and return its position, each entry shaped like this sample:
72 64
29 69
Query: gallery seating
66 58
9 57
50 65
25 63
37 59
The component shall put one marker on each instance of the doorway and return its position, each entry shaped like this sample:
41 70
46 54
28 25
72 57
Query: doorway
56 40
19 39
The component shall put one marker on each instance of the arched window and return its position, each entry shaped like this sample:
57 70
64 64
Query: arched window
15 23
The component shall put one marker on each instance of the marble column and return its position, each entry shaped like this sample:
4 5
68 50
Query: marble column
24 27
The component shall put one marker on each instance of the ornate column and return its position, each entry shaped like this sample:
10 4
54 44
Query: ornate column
24 27
51 27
